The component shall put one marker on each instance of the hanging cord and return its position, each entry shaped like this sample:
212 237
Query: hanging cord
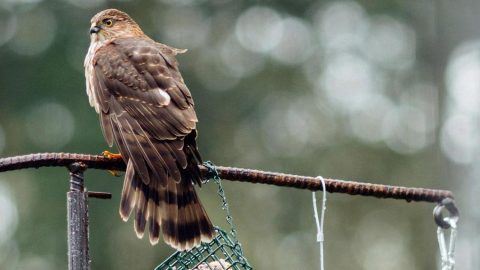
447 253
320 237
213 173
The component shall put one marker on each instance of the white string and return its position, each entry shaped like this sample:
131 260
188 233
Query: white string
447 254
320 238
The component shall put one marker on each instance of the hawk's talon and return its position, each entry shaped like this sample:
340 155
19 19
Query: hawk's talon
114 173
111 155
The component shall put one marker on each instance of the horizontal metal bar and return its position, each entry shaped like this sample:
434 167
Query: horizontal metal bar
238 174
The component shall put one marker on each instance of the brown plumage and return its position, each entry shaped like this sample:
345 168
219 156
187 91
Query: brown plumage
146 109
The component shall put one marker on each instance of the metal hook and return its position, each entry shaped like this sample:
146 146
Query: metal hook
440 220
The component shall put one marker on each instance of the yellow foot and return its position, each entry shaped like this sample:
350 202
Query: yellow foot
114 173
111 155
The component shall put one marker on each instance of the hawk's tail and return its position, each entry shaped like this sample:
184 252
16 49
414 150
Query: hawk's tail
175 208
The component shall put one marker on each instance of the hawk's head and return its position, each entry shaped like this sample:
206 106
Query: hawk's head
113 23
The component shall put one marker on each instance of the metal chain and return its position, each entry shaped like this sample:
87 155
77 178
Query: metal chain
213 173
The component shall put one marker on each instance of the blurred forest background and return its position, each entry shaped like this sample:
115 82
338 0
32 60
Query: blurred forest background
379 91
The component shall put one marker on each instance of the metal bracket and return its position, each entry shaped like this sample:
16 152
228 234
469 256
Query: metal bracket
77 217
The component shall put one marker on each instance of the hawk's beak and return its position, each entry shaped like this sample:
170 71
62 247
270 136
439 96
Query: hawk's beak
94 30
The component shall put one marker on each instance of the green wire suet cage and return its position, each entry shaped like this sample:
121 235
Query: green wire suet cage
222 253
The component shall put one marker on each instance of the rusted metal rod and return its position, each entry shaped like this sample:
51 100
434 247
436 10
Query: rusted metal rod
58 160
335 185
237 174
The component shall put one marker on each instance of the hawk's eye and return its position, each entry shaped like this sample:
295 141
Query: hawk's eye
108 22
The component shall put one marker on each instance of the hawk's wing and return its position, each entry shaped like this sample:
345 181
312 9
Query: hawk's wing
140 89
146 108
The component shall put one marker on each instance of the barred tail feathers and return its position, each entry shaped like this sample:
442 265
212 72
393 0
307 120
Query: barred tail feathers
185 223
175 208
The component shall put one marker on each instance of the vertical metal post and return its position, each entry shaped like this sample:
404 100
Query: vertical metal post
77 218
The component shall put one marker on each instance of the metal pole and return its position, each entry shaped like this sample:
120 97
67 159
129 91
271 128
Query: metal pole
77 218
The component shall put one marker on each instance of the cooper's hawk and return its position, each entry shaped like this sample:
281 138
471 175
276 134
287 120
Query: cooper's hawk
135 85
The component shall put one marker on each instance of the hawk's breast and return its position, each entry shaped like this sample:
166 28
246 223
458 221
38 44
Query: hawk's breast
90 73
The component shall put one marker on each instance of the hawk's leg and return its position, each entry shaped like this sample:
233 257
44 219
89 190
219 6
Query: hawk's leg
111 155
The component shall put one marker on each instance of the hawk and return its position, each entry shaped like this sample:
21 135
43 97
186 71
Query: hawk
145 108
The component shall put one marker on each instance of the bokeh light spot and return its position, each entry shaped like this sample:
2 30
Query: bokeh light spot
259 29
212 73
391 43
460 131
50 125
36 30
12 3
86 4
405 129
347 81
381 244
182 2
35 263
367 123
459 138
8 25
463 78
295 45
8 214
341 25
294 126
238 61
191 31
